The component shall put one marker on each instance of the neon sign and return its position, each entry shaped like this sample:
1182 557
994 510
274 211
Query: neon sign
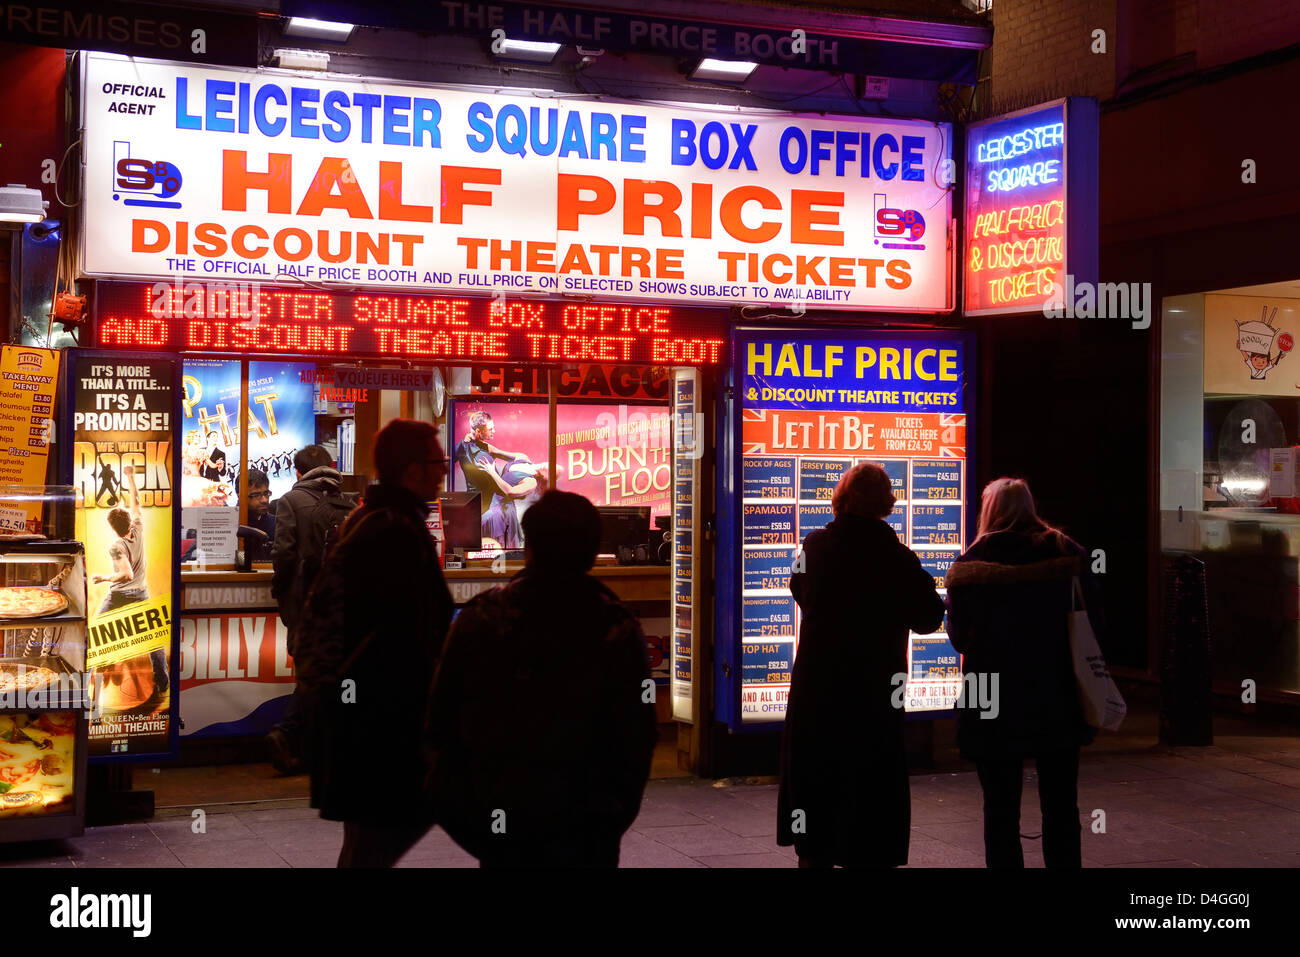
251 319
1025 228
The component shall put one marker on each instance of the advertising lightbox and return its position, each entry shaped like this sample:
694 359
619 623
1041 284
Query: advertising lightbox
211 173
812 406
1031 207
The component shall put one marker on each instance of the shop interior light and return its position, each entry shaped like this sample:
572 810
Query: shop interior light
319 29
19 205
723 71
301 59
529 51
1245 485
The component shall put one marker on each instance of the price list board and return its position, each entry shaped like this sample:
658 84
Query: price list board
687 446
812 407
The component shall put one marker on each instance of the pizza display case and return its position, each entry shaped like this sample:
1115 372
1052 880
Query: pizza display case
43 694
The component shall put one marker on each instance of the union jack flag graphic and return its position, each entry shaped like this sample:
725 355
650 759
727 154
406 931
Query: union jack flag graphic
949 424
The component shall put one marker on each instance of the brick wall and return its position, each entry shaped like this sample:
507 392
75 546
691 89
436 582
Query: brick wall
1230 30
1042 49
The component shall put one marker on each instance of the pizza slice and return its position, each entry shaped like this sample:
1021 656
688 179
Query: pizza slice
37 763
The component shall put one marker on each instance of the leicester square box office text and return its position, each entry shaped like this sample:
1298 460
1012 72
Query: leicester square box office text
253 319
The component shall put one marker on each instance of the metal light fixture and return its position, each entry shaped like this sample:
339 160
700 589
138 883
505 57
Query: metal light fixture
329 30
302 60
19 205
529 51
723 71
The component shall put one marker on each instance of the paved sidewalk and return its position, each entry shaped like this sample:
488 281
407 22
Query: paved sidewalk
1233 805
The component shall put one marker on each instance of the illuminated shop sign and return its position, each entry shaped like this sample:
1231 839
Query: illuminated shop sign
270 320
1028 224
223 174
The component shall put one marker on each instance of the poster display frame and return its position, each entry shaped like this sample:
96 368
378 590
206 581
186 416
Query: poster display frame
65 418
727 665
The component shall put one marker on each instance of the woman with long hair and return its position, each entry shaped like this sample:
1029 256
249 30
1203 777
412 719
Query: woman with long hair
1009 601
844 795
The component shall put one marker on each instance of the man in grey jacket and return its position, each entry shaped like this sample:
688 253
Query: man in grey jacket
304 518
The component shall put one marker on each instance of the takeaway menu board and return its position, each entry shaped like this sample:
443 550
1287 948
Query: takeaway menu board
813 406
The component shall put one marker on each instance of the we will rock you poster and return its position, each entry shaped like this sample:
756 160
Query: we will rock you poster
123 473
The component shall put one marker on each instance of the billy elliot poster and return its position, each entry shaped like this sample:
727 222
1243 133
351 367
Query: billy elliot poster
122 469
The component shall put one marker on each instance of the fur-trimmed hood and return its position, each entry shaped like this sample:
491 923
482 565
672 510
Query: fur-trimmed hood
994 573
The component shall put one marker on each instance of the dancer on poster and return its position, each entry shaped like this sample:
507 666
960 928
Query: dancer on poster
500 489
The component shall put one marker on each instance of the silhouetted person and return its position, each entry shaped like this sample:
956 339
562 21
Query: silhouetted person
844 795
108 485
1009 602
371 635
304 518
541 720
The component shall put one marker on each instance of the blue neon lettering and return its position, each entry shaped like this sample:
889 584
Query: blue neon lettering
1009 179
1017 144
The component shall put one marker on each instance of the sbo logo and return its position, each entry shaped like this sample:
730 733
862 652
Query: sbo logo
158 180
897 224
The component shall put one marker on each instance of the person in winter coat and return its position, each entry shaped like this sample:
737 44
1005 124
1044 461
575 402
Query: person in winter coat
1009 602
844 795
300 531
371 634
303 519
541 720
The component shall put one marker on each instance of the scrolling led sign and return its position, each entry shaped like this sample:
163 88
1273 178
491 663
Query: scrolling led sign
251 319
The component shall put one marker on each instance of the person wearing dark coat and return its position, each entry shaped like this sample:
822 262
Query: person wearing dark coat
541 721
844 796
1009 602
371 635
299 528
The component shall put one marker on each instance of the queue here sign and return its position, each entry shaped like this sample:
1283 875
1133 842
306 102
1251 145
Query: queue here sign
210 173
261 320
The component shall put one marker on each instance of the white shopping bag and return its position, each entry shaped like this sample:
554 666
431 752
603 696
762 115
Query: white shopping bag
1103 705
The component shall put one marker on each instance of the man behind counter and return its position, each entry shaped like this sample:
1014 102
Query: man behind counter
260 515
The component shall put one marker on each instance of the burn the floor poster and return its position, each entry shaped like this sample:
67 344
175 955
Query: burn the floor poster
122 470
